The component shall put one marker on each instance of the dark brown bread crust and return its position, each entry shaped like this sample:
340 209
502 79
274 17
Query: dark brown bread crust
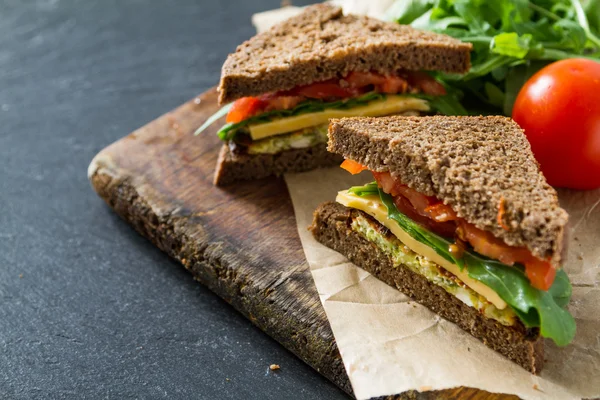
331 226
322 43
473 164
233 167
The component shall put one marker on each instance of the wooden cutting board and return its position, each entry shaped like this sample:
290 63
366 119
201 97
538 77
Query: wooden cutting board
239 241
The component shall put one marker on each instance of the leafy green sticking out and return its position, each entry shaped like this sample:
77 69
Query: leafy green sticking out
536 308
309 106
211 120
507 34
366 190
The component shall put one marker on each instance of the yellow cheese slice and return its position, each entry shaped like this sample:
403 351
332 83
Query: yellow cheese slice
390 105
373 206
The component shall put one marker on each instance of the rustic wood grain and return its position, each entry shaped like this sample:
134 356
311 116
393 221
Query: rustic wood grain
239 241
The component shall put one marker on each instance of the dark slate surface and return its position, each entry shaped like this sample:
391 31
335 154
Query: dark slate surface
89 309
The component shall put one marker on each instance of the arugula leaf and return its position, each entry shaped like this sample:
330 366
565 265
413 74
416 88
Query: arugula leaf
592 12
409 10
213 118
536 308
506 34
417 232
447 105
511 44
365 190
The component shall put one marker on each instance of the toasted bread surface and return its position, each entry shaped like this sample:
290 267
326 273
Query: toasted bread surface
321 43
482 167
232 167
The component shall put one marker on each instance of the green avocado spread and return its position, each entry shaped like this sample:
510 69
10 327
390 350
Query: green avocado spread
402 255
301 139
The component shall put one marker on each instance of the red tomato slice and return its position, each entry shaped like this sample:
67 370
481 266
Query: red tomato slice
393 187
487 244
324 90
353 167
540 273
244 108
415 205
362 79
355 84
446 229
393 85
440 212
426 83
276 102
382 83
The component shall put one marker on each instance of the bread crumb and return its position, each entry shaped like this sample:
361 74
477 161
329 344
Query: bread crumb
536 387
20 276
227 379
274 367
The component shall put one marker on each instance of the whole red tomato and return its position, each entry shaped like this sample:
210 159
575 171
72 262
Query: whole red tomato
559 109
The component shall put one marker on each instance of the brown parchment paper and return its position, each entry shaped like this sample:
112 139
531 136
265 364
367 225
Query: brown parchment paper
390 344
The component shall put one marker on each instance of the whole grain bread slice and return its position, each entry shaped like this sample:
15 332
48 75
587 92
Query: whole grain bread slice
321 43
482 167
232 167
331 227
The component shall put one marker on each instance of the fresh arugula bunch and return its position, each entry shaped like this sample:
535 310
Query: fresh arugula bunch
536 308
512 39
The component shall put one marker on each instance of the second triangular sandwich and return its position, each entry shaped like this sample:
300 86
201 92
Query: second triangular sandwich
287 82
461 219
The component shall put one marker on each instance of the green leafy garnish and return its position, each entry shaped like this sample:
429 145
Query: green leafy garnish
213 118
536 308
447 105
507 35
365 190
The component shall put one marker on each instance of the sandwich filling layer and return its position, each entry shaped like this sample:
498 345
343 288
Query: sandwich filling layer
402 255
295 112
373 206
499 291
388 105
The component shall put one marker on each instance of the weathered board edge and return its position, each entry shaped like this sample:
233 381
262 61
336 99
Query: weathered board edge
210 269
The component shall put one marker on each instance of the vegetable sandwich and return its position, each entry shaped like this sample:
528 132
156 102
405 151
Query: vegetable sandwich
286 83
459 218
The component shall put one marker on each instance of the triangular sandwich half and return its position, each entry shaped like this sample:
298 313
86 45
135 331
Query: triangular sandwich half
287 82
461 219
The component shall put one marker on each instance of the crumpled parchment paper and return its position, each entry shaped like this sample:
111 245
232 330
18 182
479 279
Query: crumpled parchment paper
390 344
